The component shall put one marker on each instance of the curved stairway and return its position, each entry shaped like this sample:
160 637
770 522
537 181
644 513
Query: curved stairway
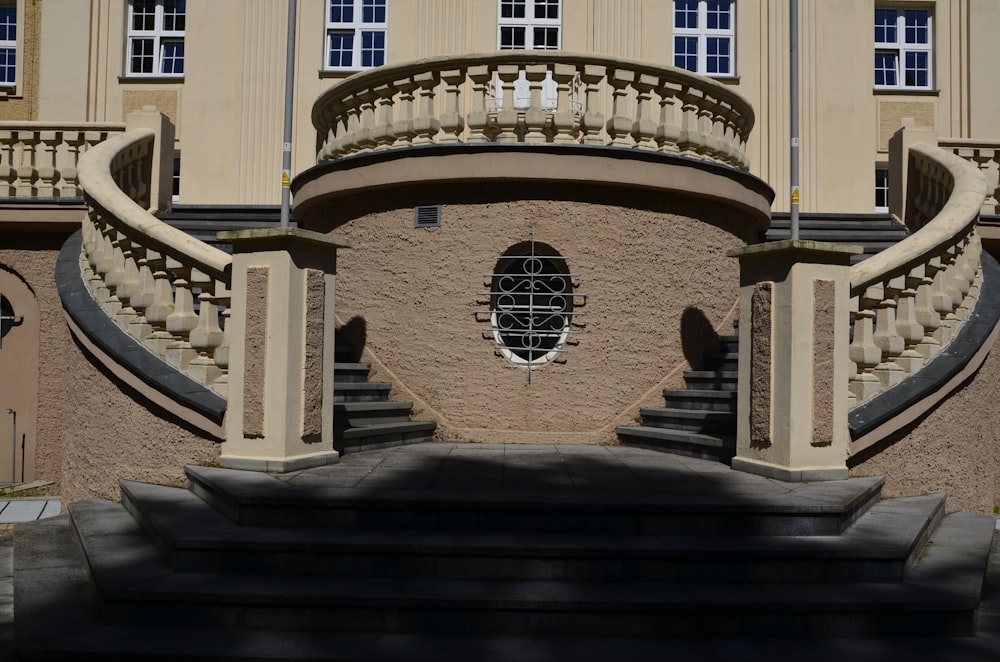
453 552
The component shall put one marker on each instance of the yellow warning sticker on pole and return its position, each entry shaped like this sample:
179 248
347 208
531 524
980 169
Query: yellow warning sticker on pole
795 195
285 180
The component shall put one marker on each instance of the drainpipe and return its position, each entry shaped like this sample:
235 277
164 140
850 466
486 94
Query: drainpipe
13 442
286 150
793 65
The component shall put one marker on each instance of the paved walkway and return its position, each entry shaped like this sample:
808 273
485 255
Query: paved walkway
28 509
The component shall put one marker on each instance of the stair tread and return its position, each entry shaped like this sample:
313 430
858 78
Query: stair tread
693 414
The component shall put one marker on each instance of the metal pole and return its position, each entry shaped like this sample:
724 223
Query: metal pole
793 62
286 151
13 455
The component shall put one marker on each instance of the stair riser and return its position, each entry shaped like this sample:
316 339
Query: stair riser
715 384
695 403
724 455
689 425
342 421
376 442
350 395
352 376
692 566
472 617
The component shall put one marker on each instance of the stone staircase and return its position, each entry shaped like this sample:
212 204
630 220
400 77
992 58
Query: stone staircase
422 553
700 421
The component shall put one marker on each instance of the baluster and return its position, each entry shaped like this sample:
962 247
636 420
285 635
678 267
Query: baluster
402 128
47 171
426 125
224 299
592 120
927 315
70 185
708 146
162 306
619 125
207 335
690 140
383 135
27 174
643 129
141 298
115 273
182 319
667 132
349 143
507 116
452 121
8 169
907 325
128 285
332 149
863 351
986 160
944 303
480 121
535 116
887 337
366 131
563 120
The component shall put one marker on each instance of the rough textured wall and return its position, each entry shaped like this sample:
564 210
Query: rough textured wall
658 285
90 432
953 450
24 106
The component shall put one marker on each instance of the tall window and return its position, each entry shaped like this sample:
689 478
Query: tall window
529 24
355 34
8 44
881 189
156 37
705 36
903 48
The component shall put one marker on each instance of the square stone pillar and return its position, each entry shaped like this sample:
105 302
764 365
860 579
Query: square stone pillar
280 409
161 178
899 163
794 365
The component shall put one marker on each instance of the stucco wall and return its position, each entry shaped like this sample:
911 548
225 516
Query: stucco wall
644 267
954 449
91 431
23 103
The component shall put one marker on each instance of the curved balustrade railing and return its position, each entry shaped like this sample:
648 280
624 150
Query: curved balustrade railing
41 159
910 300
533 97
985 154
146 274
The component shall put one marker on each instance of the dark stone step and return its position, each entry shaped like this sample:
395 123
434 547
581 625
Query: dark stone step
360 392
351 372
720 380
691 420
357 414
701 399
383 435
679 442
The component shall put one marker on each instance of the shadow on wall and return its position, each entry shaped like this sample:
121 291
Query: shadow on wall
353 334
698 337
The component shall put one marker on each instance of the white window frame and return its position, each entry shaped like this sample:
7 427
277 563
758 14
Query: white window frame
529 23
160 38
899 48
881 184
357 27
702 34
17 44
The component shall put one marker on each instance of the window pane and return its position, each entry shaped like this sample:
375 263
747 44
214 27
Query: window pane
142 56
341 11
881 188
685 13
172 61
885 26
917 30
547 9
917 70
512 8
143 15
173 15
511 38
8 65
718 14
717 55
686 53
341 49
373 11
546 38
885 68
372 48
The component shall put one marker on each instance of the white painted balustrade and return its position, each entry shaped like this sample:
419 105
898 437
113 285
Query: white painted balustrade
41 159
146 274
552 97
910 300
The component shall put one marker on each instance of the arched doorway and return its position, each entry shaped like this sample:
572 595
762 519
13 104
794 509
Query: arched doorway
19 338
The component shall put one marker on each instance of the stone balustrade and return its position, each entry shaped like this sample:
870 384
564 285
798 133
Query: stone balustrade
41 159
146 274
910 300
986 156
533 97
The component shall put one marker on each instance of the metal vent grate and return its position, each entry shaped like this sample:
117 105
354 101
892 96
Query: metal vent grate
427 216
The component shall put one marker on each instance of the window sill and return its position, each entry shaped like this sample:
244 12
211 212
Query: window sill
157 80
340 73
906 91
726 80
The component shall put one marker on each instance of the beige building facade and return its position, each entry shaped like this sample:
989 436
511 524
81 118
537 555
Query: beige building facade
216 68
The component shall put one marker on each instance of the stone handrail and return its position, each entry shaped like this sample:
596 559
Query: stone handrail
41 159
551 97
986 155
146 274
910 300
